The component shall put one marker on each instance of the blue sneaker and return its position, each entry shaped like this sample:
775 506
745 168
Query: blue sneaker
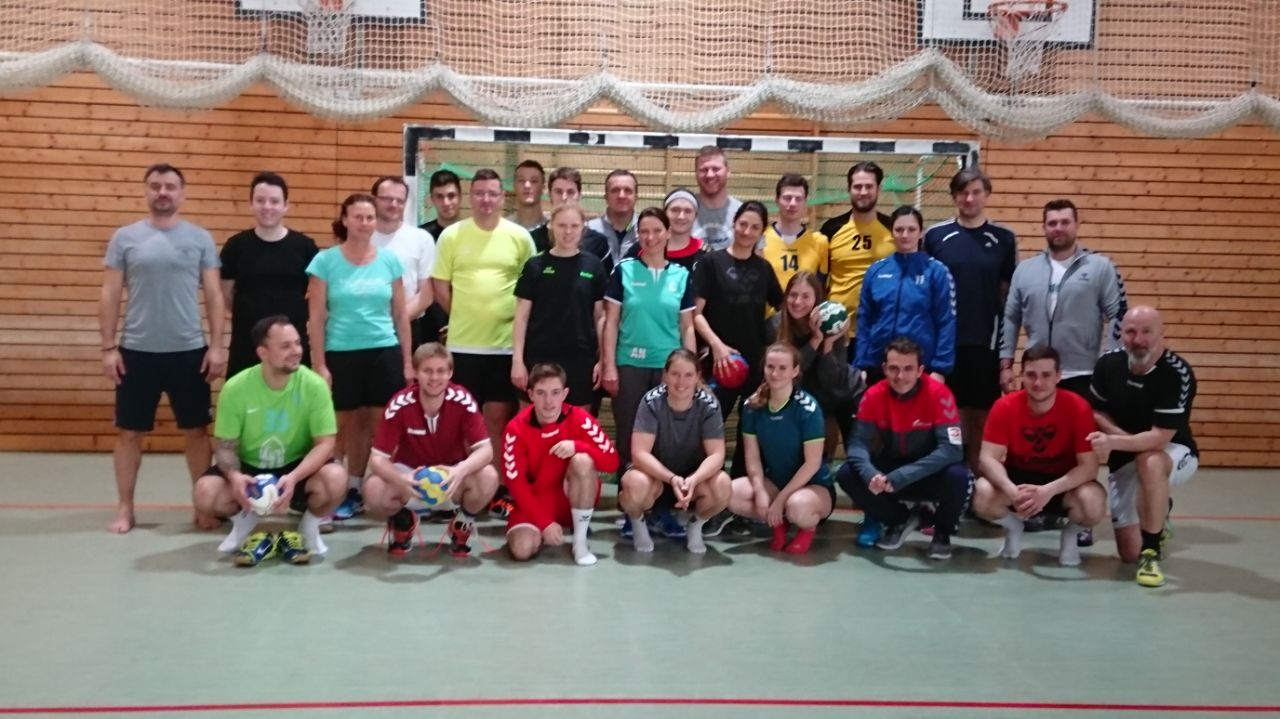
350 507
257 547
663 522
870 533
625 529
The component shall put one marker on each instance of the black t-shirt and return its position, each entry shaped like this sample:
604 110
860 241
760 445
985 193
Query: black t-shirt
980 259
563 291
434 318
593 243
736 293
1160 398
270 279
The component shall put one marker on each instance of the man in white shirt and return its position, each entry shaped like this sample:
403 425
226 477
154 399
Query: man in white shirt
413 246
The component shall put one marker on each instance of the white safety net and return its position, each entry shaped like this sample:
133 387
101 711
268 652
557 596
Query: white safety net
1161 67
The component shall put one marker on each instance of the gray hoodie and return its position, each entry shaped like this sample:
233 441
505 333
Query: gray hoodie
1091 294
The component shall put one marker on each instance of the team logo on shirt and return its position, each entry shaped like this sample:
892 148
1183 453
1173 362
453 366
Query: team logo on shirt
1039 437
596 434
462 397
399 402
509 457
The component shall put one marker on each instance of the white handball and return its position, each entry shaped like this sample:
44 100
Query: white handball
263 494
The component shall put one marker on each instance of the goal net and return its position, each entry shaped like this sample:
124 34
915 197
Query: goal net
917 171
1163 67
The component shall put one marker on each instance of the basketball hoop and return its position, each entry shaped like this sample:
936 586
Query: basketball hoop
1023 27
327 25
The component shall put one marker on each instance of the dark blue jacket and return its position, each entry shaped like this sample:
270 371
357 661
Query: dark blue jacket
909 296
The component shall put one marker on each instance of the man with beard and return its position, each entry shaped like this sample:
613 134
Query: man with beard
165 261
856 239
981 256
1142 400
1065 298
274 418
1036 457
716 207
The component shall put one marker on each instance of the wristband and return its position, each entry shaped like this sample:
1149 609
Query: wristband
111 348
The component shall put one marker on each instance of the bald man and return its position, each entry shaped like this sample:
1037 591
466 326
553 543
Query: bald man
1142 399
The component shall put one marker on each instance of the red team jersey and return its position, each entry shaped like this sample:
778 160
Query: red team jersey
535 477
1047 444
409 437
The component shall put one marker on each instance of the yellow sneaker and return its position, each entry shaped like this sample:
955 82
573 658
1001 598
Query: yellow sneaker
1149 573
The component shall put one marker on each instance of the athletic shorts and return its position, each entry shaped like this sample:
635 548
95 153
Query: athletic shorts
298 502
558 503
975 381
578 371
831 490
365 378
147 375
1055 506
416 504
1079 385
486 377
1124 483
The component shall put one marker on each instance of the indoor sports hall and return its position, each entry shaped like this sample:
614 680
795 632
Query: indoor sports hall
1159 119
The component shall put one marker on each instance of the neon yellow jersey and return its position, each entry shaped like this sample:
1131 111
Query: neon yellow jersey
809 252
482 268
854 247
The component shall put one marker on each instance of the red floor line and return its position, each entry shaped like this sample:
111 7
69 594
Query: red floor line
160 506
646 701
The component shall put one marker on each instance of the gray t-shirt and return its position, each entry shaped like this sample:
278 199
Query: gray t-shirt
715 227
162 273
678 436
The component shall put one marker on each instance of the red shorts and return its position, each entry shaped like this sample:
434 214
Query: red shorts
556 504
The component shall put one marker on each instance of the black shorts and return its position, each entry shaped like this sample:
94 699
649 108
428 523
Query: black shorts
1055 507
1080 385
975 381
365 378
578 370
486 377
298 502
149 374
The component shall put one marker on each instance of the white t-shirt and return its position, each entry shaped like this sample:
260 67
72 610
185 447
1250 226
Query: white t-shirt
416 250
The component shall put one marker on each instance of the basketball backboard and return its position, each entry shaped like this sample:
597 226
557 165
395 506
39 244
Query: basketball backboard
951 20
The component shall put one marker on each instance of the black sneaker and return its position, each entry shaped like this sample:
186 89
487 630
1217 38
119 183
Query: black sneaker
717 524
501 507
940 547
1084 538
894 536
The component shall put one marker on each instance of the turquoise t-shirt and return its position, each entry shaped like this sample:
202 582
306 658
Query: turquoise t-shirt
651 300
274 427
782 434
359 300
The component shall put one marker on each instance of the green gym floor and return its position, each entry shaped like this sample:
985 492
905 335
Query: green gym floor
155 623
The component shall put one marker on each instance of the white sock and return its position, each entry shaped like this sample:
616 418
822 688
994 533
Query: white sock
694 541
309 528
640 538
242 525
1012 545
1068 550
354 482
581 552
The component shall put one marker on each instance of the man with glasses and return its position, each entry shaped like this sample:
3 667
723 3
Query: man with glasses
477 264
411 245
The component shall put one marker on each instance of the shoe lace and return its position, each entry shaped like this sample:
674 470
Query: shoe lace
1149 564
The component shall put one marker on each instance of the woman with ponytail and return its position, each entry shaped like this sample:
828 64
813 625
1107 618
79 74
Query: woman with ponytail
787 482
